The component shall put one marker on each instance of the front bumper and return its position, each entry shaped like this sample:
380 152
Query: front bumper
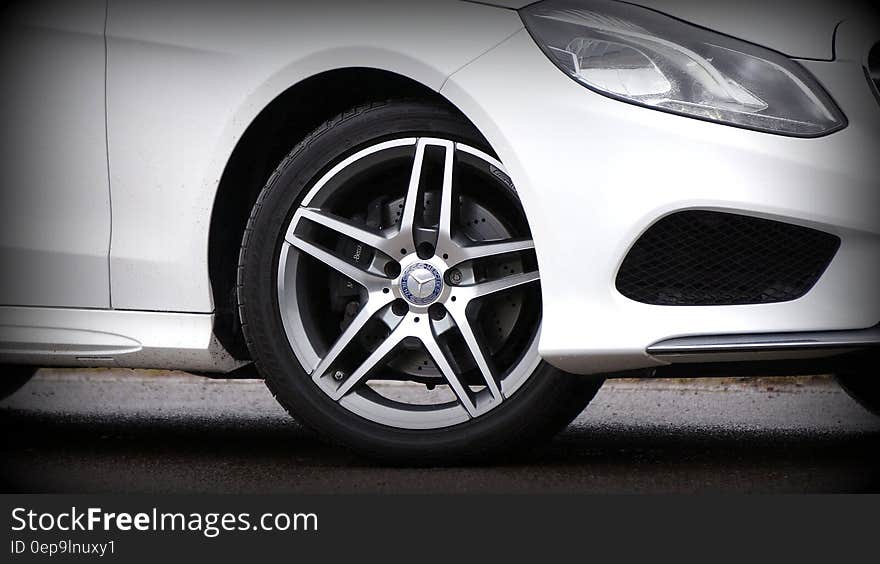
594 173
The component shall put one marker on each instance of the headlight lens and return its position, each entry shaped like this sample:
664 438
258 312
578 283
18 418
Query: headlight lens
641 56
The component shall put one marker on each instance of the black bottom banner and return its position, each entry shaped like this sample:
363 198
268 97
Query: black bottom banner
226 528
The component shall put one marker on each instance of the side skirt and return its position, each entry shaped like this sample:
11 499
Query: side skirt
112 338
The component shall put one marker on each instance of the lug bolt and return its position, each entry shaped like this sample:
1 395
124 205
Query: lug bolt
392 269
399 307
437 312
455 276
338 375
425 250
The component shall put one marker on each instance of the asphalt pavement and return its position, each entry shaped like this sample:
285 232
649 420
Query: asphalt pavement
146 431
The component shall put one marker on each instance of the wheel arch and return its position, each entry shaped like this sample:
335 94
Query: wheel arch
280 125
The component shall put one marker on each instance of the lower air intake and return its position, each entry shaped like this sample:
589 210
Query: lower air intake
706 258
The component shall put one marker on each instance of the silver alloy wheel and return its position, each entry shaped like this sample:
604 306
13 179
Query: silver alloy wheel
417 283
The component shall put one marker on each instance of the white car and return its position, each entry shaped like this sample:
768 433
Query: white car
435 227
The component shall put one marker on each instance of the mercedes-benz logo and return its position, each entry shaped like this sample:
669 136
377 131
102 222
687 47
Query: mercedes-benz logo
421 283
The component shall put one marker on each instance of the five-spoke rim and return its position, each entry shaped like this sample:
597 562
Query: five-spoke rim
386 294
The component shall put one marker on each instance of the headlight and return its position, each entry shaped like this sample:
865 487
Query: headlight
644 57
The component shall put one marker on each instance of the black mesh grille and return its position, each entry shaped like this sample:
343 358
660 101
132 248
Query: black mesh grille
712 258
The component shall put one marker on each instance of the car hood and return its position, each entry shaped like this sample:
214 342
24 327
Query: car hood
797 28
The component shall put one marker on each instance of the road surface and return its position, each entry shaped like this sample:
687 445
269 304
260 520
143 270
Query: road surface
129 431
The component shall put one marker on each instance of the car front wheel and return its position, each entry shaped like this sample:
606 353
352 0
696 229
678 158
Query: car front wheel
389 291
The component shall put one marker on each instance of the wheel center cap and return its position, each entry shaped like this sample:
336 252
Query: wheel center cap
421 283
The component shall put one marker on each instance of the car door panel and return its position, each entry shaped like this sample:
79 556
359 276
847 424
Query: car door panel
54 193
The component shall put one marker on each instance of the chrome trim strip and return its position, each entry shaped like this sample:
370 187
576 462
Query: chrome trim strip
768 342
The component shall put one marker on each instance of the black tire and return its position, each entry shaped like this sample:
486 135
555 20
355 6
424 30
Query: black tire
863 388
546 403
13 377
